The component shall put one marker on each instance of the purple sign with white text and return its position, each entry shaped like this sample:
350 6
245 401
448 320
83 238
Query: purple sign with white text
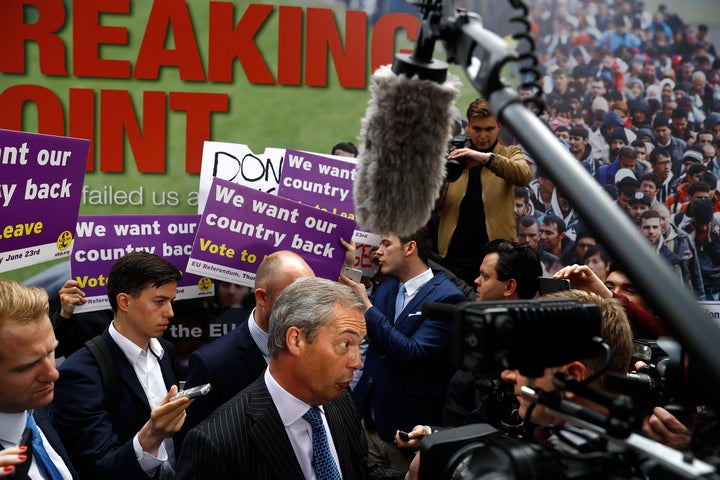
40 191
103 239
240 226
324 182
319 181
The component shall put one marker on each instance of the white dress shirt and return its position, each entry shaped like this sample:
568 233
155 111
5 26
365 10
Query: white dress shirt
299 431
413 286
147 369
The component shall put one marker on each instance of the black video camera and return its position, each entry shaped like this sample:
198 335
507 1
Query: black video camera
454 167
531 335
480 452
528 335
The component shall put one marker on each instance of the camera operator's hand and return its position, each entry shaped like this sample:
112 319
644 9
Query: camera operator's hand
664 428
473 158
414 437
583 278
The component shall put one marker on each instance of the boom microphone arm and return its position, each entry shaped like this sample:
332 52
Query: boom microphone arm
484 56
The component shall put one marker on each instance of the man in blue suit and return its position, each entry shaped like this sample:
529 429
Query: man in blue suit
27 376
127 437
407 364
235 360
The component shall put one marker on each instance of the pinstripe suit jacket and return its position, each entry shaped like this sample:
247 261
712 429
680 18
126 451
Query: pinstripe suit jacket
245 439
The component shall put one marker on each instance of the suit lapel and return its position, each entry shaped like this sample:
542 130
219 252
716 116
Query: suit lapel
125 370
53 438
337 418
249 353
167 371
268 433
417 301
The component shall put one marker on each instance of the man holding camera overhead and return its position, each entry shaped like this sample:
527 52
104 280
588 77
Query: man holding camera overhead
478 206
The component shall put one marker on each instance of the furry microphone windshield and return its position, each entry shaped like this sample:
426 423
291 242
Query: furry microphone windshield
403 142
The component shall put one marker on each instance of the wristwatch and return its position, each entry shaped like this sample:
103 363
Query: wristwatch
492 157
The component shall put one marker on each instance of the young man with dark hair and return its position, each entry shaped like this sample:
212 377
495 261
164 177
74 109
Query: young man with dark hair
407 364
674 146
528 233
345 149
650 184
662 166
650 228
509 272
626 159
552 235
129 436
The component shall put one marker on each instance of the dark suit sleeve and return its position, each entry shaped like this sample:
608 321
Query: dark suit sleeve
82 420
201 458
43 421
430 340
199 372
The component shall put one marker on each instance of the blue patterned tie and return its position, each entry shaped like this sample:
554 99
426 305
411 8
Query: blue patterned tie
45 465
323 462
399 301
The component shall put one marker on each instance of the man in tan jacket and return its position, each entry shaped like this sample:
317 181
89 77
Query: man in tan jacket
478 207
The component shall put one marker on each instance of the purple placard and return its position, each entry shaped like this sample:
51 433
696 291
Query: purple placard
324 182
240 226
40 192
319 181
102 239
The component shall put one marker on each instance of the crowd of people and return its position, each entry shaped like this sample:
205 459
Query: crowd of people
318 378
634 95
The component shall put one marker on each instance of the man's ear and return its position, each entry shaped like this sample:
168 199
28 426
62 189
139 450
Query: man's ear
260 297
577 370
294 340
123 300
510 287
410 247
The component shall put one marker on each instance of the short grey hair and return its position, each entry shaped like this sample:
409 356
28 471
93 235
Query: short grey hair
309 304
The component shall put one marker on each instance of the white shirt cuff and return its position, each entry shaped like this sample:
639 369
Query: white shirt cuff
149 463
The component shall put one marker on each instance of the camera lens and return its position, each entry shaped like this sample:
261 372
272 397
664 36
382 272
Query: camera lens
454 169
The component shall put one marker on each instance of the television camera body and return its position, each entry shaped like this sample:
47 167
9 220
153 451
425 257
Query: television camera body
530 336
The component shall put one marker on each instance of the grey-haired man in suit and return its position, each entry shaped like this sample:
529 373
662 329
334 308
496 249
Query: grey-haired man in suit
262 433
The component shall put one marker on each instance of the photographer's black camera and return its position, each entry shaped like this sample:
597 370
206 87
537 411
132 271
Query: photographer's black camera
455 166
669 380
